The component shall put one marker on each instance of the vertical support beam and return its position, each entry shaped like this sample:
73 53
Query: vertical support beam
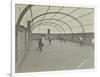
16 44
25 38
49 36
48 33
29 30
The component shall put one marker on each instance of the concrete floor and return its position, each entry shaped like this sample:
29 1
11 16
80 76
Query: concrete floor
57 56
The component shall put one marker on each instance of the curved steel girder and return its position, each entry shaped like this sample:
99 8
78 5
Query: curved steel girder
63 14
56 25
56 20
23 13
48 25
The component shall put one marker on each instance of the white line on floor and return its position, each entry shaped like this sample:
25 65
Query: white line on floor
83 62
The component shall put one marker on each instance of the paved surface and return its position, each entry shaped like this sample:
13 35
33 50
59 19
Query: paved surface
57 56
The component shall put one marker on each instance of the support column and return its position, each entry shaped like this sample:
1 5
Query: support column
29 30
16 45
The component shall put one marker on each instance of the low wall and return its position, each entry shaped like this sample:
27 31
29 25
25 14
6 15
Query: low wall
22 41
87 37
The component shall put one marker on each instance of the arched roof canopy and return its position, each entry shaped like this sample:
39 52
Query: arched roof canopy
63 14
55 20
50 25
53 24
78 18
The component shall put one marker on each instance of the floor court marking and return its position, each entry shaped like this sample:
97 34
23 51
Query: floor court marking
82 63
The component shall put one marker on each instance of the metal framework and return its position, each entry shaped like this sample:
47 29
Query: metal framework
81 16
54 20
60 13
49 24
47 13
57 11
54 24
22 14
71 12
